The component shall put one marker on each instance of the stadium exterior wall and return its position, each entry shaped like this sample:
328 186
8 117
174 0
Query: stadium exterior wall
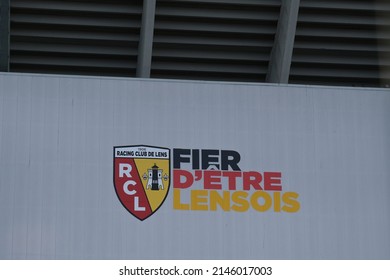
326 150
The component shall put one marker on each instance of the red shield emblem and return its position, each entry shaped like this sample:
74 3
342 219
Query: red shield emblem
141 178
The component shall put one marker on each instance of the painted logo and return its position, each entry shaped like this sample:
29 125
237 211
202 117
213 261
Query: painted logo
202 180
141 178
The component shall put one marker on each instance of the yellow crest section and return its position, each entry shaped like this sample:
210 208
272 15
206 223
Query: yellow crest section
155 177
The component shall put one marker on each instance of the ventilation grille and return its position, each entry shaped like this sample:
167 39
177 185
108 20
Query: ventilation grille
342 43
214 40
75 37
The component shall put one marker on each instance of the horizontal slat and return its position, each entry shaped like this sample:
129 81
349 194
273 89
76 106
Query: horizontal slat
40 47
361 6
49 19
71 70
78 61
320 43
224 27
208 66
217 14
336 81
357 72
34 34
58 7
236 3
222 55
191 39
208 76
356 21
337 57
340 32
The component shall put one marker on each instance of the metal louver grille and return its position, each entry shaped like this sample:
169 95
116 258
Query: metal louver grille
214 39
342 43
75 37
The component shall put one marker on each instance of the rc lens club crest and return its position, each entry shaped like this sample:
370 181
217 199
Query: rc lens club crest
141 178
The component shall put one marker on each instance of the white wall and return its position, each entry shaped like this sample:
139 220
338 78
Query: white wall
57 199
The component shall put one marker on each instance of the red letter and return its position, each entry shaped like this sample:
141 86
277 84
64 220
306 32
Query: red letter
212 180
232 175
252 178
177 183
272 181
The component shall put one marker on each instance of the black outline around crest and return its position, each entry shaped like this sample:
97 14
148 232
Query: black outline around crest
170 179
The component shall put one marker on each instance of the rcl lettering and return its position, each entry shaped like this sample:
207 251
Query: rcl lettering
125 171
